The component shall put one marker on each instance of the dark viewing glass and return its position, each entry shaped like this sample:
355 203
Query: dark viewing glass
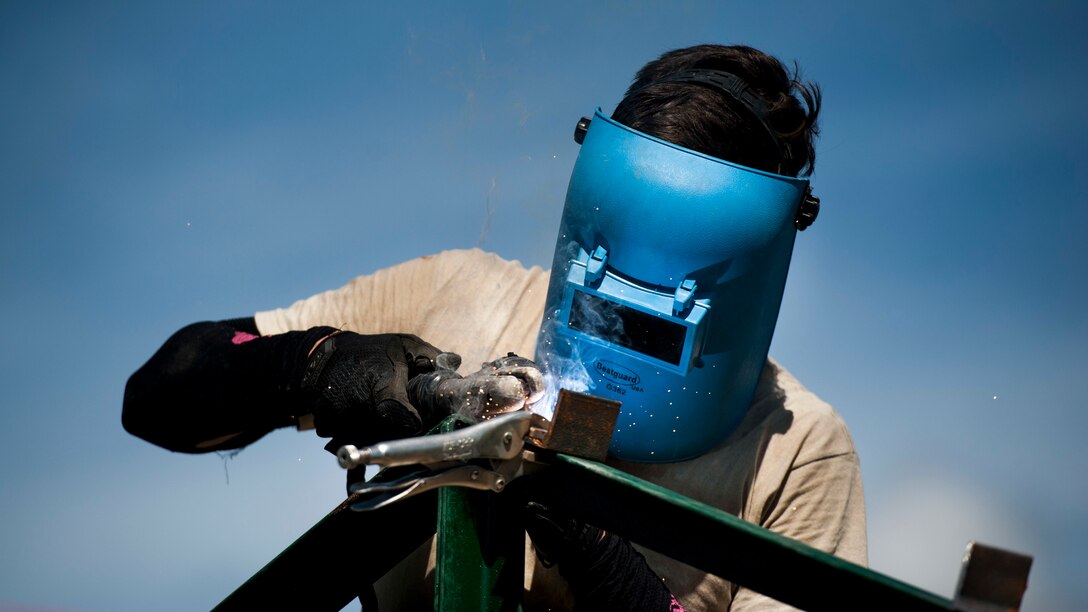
639 331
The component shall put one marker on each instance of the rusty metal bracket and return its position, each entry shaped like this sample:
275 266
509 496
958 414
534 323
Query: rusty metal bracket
991 579
581 426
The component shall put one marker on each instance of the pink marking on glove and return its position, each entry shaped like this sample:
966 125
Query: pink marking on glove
241 337
674 606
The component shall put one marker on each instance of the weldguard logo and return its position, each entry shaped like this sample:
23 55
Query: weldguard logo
618 378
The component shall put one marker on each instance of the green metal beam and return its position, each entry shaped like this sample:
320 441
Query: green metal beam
717 542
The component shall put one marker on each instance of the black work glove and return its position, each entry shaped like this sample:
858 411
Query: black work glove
603 570
358 385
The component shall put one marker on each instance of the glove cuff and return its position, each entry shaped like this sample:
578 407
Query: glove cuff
315 361
294 361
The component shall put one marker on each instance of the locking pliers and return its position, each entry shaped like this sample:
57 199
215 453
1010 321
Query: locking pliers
485 455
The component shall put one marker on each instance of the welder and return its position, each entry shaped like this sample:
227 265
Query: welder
668 274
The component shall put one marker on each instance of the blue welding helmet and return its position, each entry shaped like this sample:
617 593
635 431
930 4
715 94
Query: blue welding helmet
666 284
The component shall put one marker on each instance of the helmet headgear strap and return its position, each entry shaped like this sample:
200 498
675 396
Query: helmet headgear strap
736 88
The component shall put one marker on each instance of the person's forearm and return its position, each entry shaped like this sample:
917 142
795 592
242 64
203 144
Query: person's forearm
217 385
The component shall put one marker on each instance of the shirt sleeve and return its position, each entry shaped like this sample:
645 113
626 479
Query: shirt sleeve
468 301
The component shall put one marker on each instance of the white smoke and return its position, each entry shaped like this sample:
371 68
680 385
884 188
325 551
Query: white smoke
559 372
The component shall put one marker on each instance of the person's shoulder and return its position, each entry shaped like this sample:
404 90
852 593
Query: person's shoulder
806 422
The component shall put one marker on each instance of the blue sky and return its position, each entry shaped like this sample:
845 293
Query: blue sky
163 163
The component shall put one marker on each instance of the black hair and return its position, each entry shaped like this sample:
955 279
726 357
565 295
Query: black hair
710 121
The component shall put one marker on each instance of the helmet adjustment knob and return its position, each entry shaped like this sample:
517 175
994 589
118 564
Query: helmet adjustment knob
581 129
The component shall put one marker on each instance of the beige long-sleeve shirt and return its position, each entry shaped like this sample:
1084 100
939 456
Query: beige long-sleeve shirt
790 466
